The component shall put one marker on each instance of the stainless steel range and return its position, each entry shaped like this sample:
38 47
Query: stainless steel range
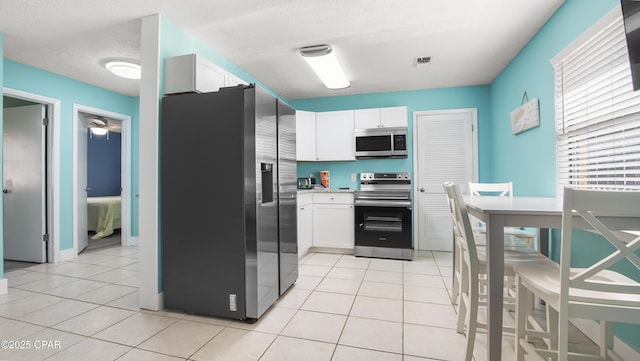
383 216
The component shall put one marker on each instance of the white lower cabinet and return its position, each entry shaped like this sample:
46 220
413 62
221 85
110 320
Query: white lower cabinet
305 223
333 219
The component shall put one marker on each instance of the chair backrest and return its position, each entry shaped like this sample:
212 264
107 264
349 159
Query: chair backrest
606 212
462 231
494 189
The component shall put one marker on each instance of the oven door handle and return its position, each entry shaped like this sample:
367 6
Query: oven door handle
379 203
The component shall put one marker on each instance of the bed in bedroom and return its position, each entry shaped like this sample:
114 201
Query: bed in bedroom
103 215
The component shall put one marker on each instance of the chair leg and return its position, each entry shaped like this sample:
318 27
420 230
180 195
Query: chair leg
462 313
606 339
521 318
563 335
472 320
552 327
455 288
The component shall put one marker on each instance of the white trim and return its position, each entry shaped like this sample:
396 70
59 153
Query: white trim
474 138
592 330
604 22
160 301
149 291
67 254
134 241
125 169
54 206
4 286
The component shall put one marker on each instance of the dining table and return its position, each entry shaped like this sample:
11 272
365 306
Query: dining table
542 213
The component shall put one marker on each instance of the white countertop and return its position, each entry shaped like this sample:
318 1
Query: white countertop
326 190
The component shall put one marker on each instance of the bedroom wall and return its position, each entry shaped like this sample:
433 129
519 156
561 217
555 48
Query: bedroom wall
69 91
104 164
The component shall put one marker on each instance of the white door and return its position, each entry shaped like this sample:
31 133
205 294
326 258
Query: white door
446 150
82 189
23 186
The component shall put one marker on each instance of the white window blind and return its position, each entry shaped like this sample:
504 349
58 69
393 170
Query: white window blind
597 113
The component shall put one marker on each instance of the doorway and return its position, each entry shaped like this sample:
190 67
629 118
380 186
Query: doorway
26 184
445 149
101 198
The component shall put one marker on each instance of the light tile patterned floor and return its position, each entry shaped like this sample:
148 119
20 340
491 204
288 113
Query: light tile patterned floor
341 308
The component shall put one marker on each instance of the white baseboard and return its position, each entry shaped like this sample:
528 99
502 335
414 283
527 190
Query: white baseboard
4 286
67 254
159 303
134 241
331 250
592 330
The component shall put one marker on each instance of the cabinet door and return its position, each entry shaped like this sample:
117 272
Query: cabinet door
305 228
393 117
209 77
333 225
305 135
233 80
335 139
367 118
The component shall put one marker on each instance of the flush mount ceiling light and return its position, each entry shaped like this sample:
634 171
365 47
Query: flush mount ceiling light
324 63
98 126
124 68
99 131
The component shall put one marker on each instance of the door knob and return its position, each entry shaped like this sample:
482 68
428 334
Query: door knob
88 189
422 190
5 190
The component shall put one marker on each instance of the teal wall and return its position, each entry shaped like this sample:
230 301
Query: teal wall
417 100
32 80
528 159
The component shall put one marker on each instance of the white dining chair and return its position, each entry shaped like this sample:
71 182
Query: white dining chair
595 292
472 267
511 241
500 190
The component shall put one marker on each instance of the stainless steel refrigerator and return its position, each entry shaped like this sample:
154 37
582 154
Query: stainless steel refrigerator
227 224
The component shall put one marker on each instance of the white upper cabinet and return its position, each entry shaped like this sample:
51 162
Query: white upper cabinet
192 73
381 117
393 117
305 135
367 118
233 80
335 139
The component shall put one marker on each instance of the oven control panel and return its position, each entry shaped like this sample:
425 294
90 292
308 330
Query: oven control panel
385 176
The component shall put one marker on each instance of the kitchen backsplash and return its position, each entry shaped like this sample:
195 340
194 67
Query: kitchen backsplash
340 172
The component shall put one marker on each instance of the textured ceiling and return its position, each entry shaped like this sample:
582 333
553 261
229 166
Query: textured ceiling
469 41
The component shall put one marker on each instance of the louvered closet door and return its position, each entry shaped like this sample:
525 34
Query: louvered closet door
446 151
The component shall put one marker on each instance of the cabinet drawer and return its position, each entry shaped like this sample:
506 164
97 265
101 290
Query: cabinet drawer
333 198
304 199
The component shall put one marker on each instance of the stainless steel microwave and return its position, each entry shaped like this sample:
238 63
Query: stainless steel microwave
381 143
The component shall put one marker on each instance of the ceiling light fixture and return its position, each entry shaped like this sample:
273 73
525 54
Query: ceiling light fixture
98 126
99 131
323 61
124 68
